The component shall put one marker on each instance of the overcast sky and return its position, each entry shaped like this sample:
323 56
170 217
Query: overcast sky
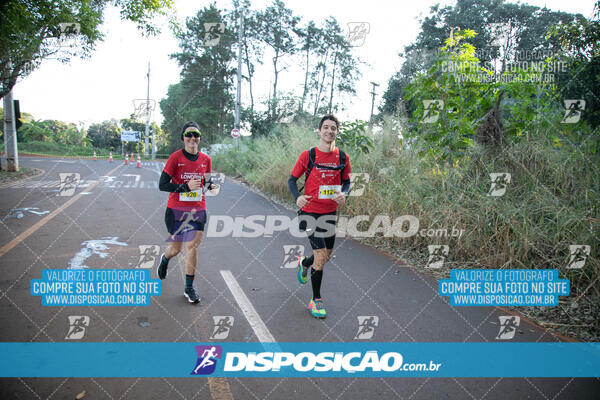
105 85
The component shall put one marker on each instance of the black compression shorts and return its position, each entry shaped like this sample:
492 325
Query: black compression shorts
179 222
322 237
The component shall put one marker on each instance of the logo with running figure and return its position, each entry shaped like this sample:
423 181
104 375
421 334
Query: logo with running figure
186 224
207 359
143 108
366 326
69 32
213 32
218 180
291 254
437 255
358 182
508 327
499 31
68 183
357 33
500 181
148 254
579 253
222 326
573 109
77 325
431 110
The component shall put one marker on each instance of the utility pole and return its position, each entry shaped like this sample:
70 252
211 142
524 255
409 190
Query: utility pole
10 134
372 101
148 118
238 100
153 145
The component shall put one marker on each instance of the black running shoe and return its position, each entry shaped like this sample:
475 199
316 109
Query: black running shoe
162 267
191 295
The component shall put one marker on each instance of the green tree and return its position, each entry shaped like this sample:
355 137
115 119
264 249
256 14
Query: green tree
336 68
52 131
353 137
344 67
252 46
505 30
204 93
452 97
277 26
105 135
29 30
310 36
580 41
32 131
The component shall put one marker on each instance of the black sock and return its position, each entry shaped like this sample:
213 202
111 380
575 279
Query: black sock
189 280
315 278
308 261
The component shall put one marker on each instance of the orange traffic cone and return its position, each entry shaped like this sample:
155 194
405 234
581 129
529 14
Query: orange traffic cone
139 162
94 155
110 157
132 157
126 158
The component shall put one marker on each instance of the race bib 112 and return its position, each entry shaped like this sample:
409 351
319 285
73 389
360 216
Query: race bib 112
328 191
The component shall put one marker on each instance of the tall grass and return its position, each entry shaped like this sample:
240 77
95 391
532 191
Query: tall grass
551 202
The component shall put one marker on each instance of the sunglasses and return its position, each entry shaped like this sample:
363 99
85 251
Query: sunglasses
194 134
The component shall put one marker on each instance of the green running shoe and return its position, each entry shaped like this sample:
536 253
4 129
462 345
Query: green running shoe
317 309
302 271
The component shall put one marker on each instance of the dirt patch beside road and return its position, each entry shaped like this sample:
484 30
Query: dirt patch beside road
23 173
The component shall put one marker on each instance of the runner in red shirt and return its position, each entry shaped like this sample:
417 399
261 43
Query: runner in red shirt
327 185
185 176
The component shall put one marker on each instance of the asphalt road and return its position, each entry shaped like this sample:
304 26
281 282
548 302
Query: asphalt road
123 207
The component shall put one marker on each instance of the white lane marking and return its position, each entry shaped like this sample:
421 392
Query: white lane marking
136 183
257 324
93 247
56 161
22 236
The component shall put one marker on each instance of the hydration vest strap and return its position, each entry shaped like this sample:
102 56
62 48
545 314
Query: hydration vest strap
312 155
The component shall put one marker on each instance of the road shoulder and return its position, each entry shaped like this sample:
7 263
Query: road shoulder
8 178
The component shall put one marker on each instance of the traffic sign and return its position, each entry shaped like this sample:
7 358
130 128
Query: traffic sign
235 133
130 136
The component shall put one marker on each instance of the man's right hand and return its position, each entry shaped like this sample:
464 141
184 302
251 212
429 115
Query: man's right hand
303 200
195 184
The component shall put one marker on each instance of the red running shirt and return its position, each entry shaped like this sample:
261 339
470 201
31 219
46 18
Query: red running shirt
183 170
321 182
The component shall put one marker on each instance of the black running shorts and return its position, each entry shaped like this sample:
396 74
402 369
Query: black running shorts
323 236
179 221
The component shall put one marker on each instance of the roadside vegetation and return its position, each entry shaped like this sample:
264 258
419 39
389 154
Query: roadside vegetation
492 114
551 203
